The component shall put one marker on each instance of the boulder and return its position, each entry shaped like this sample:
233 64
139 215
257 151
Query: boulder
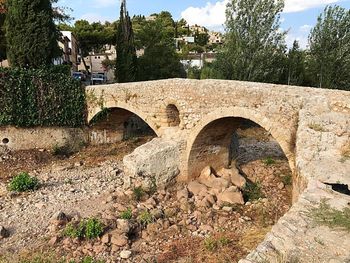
196 188
123 226
231 196
155 162
233 176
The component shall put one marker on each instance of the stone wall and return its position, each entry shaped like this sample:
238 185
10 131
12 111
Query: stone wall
42 138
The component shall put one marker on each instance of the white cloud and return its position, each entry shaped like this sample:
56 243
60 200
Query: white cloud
211 15
305 28
92 17
301 5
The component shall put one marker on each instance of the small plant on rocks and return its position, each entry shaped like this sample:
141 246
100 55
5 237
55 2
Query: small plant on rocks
138 193
324 214
287 179
23 182
89 228
127 214
252 191
145 218
269 161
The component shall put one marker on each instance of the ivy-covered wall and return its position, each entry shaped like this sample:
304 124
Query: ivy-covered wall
41 97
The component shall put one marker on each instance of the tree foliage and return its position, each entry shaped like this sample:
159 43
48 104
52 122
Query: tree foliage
32 36
329 40
126 63
296 65
160 60
255 47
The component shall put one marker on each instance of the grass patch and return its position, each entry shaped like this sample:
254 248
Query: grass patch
127 214
252 191
213 244
145 218
88 228
138 193
287 179
328 216
269 161
316 127
23 182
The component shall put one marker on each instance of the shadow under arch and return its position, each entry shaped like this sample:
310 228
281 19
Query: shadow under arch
127 109
210 139
115 124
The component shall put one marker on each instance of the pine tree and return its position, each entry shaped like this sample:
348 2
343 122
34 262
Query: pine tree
126 63
32 37
296 65
255 46
329 40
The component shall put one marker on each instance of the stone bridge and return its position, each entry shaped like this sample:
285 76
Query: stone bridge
312 126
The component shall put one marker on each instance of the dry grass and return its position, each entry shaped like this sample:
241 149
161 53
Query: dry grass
345 152
253 237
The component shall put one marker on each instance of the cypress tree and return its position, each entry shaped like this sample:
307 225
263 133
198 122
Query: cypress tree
32 36
126 63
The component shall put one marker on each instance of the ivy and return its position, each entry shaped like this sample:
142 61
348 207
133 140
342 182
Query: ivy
40 97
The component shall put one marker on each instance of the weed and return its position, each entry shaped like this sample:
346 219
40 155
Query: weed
138 193
269 161
145 218
152 186
89 228
224 241
316 127
127 214
210 244
252 191
325 215
287 179
23 182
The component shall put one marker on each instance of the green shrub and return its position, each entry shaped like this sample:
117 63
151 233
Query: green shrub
210 244
287 179
23 182
269 161
145 218
127 214
138 193
40 97
88 228
252 191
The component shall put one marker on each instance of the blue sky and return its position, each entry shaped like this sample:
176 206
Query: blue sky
299 15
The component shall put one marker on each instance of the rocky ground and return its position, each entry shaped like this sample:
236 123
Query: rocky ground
219 221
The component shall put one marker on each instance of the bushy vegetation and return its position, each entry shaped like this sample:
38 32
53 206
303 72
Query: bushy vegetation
23 182
212 244
138 193
88 228
252 191
145 218
127 214
40 97
269 161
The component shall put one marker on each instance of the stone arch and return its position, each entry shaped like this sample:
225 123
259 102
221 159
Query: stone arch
127 108
282 135
172 115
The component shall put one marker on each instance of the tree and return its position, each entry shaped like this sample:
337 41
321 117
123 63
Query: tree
126 63
201 39
255 46
32 36
160 60
296 65
329 41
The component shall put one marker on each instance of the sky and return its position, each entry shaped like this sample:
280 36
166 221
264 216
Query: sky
298 17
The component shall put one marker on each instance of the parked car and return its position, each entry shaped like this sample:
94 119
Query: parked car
98 78
79 76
